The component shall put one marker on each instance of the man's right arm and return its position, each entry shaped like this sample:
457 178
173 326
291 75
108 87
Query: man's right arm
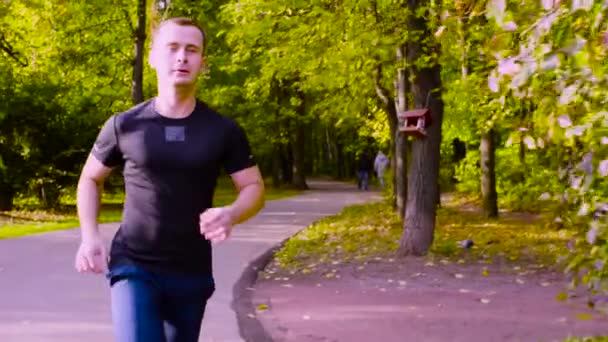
88 196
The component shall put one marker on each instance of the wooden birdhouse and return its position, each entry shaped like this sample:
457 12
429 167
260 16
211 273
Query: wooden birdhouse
414 122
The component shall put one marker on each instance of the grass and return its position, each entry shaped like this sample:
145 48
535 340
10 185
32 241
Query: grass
18 223
364 232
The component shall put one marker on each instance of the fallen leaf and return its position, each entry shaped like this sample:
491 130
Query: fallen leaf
562 296
458 275
402 282
484 273
461 261
583 316
545 284
287 285
464 291
484 300
430 264
391 281
250 315
520 281
306 317
262 307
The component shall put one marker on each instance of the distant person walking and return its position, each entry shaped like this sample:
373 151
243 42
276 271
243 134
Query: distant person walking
381 163
365 167
171 149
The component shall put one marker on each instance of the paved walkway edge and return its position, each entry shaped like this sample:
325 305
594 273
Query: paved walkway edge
250 328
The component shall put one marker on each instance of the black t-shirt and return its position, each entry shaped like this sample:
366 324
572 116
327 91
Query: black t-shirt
170 169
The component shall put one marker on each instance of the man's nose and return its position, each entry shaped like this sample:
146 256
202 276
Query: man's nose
182 56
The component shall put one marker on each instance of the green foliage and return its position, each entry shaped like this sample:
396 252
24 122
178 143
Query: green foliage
561 68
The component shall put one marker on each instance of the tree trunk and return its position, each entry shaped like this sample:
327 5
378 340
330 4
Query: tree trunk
6 197
137 91
522 158
488 175
398 144
276 166
299 175
340 162
401 145
418 233
287 163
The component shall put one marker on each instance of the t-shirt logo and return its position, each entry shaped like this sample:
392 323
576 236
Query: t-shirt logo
175 133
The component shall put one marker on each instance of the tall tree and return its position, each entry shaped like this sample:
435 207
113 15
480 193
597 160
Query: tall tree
423 175
488 173
137 91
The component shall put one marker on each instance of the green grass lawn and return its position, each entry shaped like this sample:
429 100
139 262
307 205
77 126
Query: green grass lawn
25 222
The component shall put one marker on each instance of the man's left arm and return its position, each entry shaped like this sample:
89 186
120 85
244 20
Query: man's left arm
250 199
216 223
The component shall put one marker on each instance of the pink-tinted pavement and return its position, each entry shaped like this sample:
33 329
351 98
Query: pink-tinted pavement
42 297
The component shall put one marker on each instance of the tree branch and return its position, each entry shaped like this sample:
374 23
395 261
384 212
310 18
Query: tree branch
382 93
6 47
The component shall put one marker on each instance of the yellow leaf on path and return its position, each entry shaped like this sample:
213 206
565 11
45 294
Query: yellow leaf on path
562 296
262 307
484 273
584 317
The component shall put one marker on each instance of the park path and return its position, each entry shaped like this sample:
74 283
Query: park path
42 297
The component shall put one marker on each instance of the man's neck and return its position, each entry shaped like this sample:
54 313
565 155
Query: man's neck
175 103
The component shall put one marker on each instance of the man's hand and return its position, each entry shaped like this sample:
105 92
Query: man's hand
216 224
92 255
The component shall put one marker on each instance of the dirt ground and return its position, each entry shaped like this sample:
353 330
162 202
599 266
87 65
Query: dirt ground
414 300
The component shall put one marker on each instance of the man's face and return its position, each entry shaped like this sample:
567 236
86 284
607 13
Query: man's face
177 54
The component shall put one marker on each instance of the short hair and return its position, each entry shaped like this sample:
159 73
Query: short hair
182 21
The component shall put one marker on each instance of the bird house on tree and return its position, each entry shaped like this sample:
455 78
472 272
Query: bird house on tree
414 122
